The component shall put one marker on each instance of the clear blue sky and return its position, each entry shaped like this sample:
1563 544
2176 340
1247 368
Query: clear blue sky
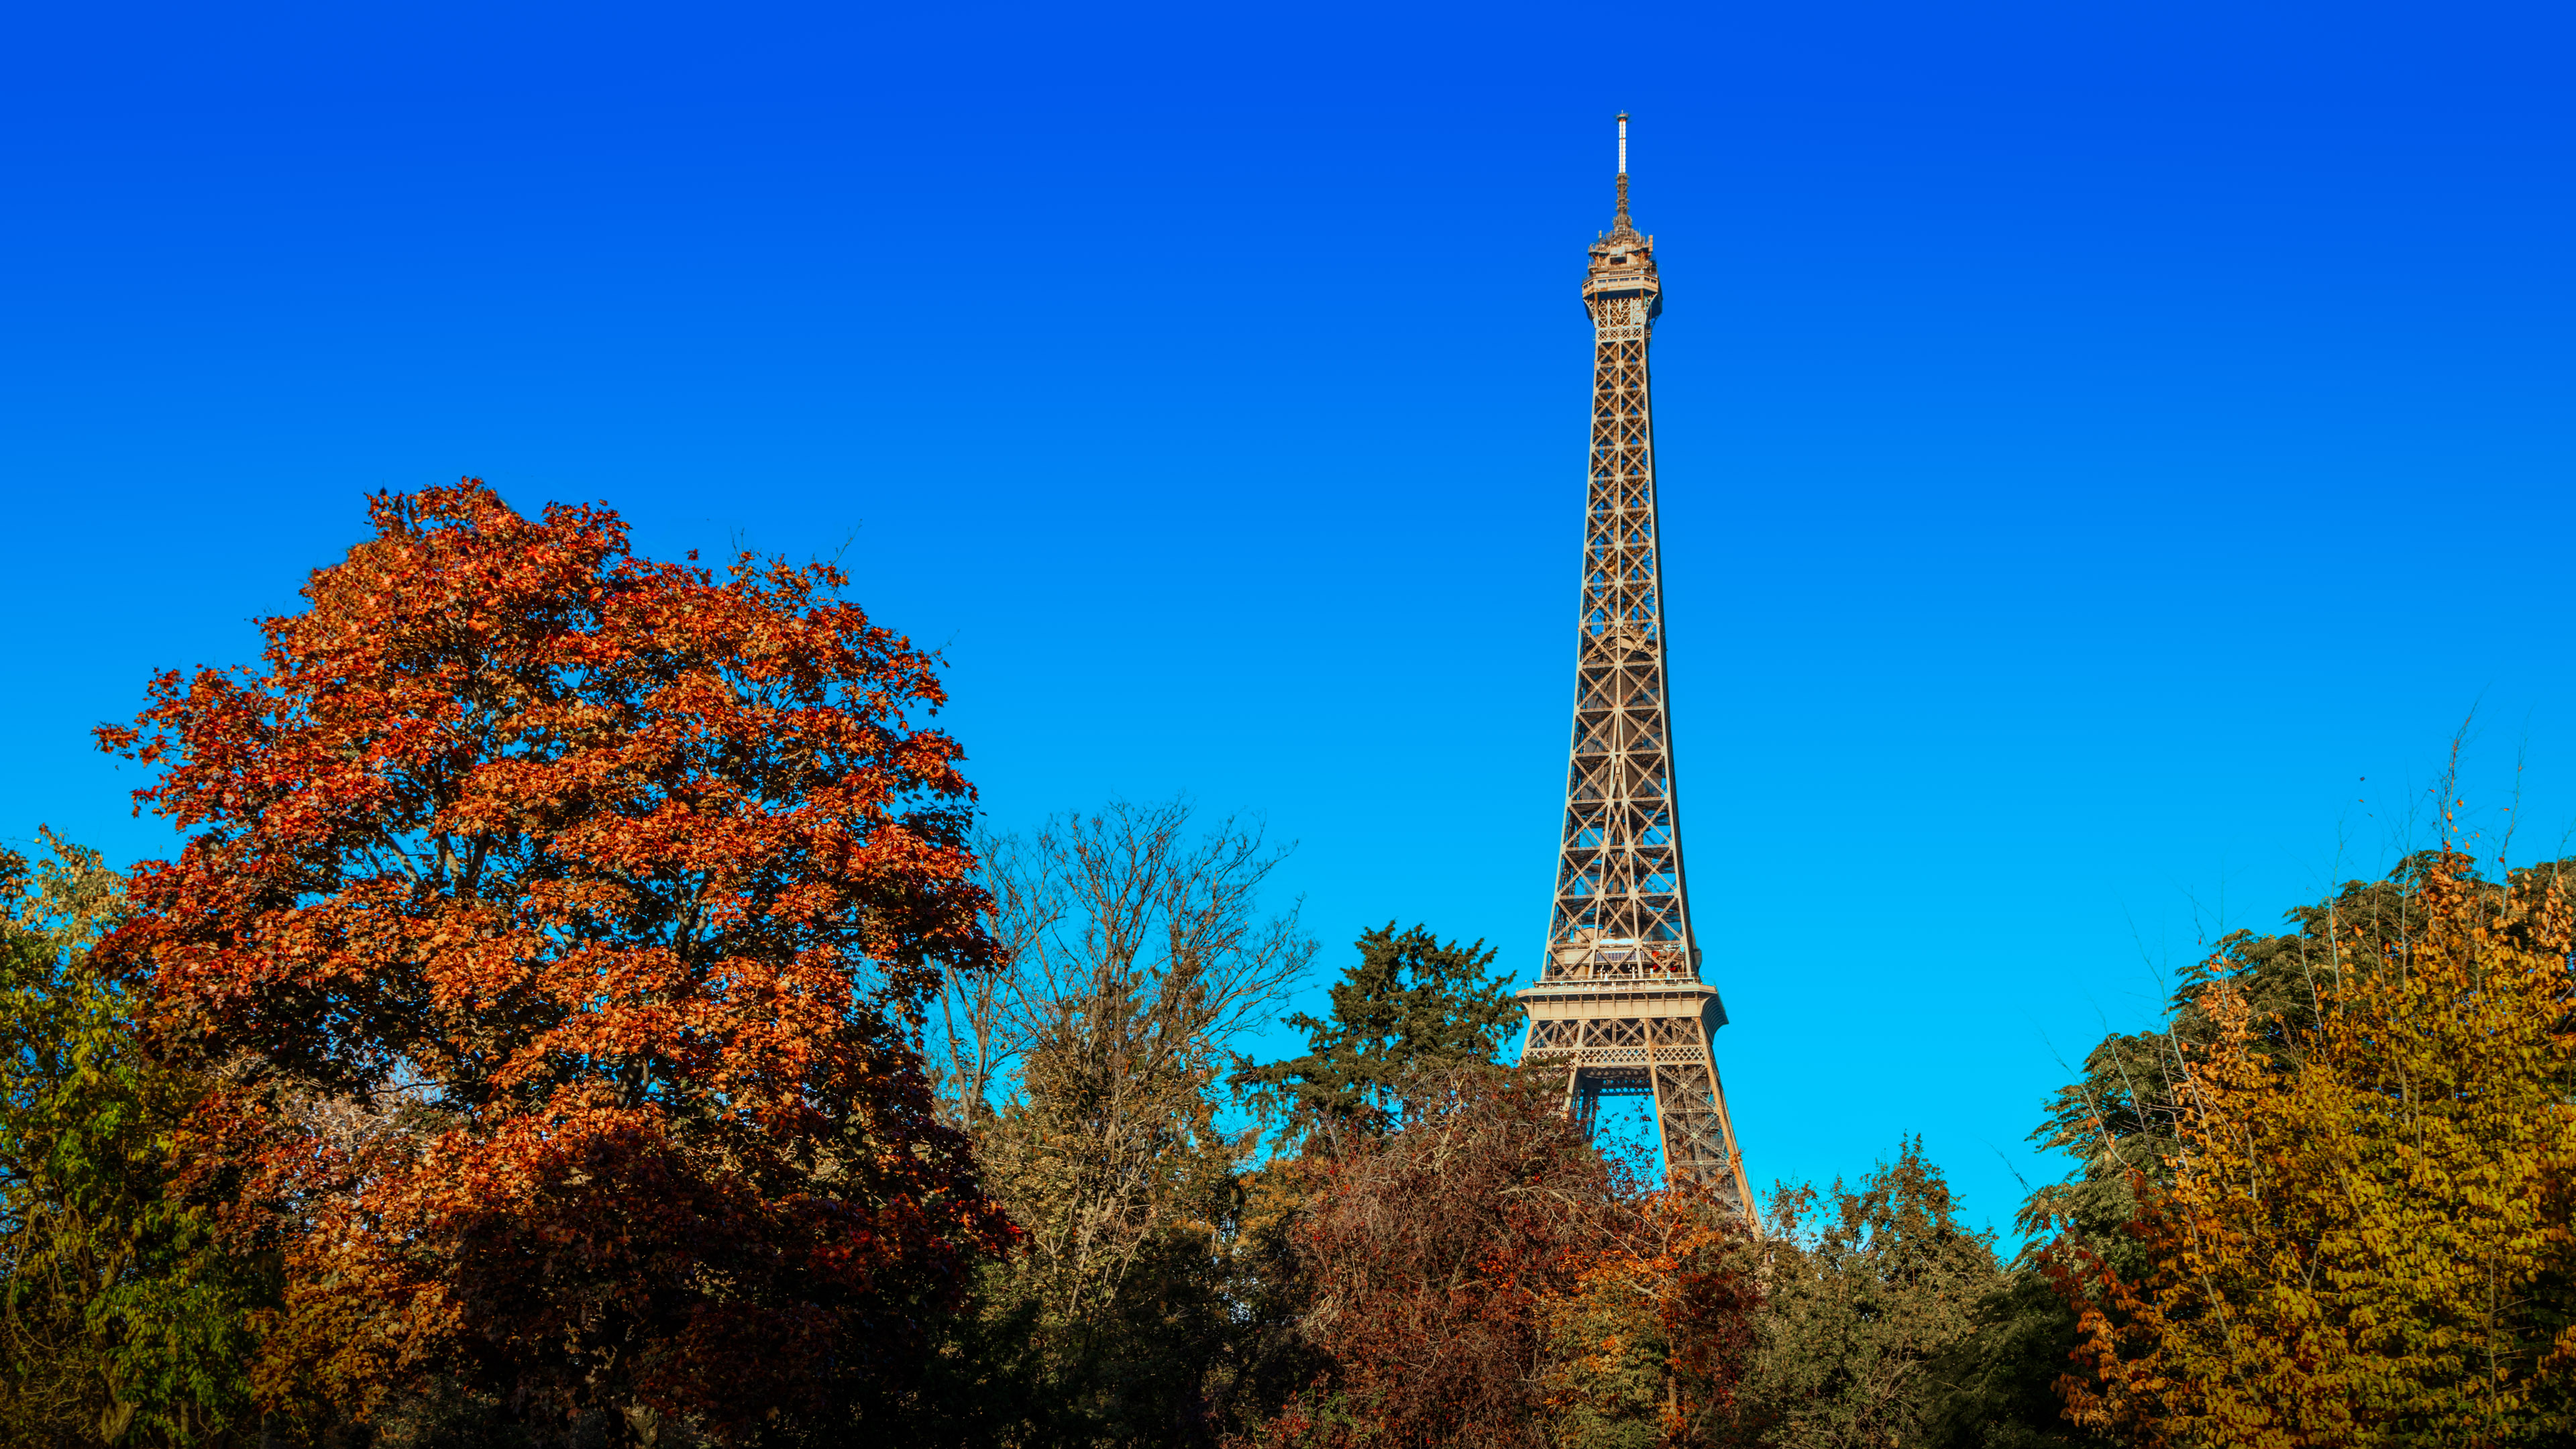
2106 451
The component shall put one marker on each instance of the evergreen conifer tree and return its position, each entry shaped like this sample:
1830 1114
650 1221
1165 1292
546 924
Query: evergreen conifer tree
1410 1003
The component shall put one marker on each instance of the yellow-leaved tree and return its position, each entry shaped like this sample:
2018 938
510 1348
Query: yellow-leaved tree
2365 1238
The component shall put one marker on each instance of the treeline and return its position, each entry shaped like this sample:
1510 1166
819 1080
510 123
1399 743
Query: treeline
583 1013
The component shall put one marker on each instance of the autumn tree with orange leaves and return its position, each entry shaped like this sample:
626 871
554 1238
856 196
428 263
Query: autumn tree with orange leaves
552 920
2358 1227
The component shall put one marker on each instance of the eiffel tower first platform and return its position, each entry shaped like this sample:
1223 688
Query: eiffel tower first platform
1619 1006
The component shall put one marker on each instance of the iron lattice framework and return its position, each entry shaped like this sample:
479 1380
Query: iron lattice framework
1619 1003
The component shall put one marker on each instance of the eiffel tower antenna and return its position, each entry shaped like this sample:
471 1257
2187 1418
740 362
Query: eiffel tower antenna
1621 224
1619 1006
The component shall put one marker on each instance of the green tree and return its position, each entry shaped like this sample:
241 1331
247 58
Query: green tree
1412 1004
126 1321
1866 1291
1996 1388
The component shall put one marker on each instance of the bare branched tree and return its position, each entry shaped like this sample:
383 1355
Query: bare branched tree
1132 954
1137 945
980 1027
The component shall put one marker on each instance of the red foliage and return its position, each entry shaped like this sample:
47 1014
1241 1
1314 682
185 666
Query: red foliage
557 913
1484 1277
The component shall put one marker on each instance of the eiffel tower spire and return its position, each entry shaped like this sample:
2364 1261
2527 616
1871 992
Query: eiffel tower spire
1620 226
1619 1005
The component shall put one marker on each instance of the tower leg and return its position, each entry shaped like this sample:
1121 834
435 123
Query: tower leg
1584 1098
1691 1123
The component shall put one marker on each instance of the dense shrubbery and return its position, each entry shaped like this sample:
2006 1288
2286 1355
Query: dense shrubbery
578 1015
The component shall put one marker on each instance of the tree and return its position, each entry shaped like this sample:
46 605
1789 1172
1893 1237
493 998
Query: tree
2121 1122
1996 1388
2360 1231
1410 1004
2122 1116
557 918
1865 1291
124 1321
1651 1343
1482 1276
1435 1253
1134 953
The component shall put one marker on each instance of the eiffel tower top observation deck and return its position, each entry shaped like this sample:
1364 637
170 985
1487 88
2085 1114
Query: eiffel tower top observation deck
1619 1004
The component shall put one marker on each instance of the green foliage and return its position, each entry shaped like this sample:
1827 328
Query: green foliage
126 1322
1867 1292
1411 1004
1997 1386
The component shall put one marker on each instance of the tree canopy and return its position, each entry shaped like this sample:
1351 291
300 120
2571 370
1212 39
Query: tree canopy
1410 1004
584 1008
2357 1227
554 917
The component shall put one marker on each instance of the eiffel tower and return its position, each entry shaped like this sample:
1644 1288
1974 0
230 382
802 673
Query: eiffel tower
1619 1006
